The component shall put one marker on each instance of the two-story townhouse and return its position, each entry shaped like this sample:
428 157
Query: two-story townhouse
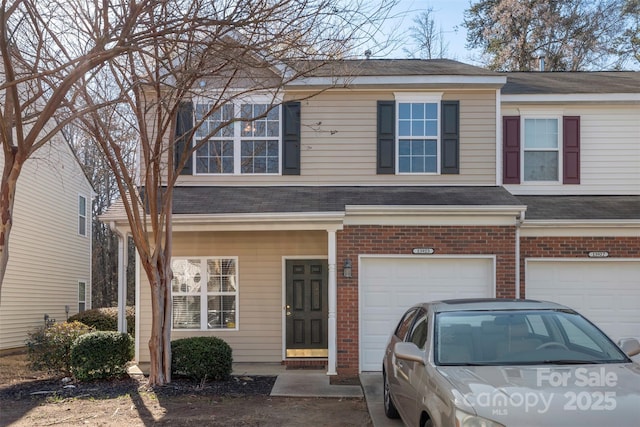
572 156
317 226
49 269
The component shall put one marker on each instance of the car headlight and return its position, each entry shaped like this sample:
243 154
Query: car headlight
464 419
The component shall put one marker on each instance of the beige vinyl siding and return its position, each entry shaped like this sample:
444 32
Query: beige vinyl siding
260 286
609 150
47 257
338 143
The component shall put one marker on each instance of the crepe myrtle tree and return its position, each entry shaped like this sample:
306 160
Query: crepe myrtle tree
238 49
46 48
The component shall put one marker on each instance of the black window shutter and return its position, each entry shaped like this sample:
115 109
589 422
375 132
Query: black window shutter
450 138
184 127
511 150
571 149
291 138
386 159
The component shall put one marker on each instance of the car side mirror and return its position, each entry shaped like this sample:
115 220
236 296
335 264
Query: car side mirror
630 346
408 351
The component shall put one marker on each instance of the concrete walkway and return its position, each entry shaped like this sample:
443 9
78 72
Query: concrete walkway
373 390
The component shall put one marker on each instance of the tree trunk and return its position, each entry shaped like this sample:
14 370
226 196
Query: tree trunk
160 341
10 175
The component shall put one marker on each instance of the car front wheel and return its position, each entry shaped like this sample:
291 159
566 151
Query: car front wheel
389 408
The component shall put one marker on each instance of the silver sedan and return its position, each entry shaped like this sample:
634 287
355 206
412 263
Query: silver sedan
492 363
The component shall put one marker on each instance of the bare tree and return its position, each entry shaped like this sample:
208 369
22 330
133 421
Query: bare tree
571 35
231 49
430 39
104 258
45 49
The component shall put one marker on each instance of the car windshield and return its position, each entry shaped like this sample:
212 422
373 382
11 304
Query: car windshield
520 337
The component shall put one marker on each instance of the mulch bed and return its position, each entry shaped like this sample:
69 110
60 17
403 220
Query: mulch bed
42 389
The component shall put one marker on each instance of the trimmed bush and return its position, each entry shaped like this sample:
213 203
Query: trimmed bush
49 349
201 358
101 355
105 319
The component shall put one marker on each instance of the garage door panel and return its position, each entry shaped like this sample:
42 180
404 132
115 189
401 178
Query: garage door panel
391 285
606 292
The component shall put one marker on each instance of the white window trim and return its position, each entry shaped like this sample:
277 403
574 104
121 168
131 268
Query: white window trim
86 305
86 222
414 97
204 294
548 115
255 98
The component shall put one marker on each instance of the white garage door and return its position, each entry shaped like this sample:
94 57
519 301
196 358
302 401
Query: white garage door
389 286
607 292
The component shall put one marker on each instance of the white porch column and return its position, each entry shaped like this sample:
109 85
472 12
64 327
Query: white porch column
122 278
333 303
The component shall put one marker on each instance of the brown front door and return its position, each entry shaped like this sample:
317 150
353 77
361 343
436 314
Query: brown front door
306 308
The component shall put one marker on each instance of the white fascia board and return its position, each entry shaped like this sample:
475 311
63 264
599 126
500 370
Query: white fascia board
438 210
571 97
255 222
398 80
434 215
580 228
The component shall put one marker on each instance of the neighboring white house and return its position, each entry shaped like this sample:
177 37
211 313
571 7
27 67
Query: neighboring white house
49 270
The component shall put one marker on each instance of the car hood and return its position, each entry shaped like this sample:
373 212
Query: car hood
558 395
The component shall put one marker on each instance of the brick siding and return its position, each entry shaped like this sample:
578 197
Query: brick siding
396 240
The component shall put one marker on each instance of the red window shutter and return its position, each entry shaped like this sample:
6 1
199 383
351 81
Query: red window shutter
571 150
511 150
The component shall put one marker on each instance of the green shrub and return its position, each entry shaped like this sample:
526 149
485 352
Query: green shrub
201 358
101 354
49 349
105 319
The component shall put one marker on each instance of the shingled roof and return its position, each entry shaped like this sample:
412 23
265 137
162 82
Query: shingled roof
229 200
582 207
393 67
519 83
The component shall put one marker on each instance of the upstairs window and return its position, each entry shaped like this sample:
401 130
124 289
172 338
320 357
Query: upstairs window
417 128
249 145
541 149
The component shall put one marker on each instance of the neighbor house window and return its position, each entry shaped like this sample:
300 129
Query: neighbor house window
541 149
82 296
250 145
82 215
418 134
204 293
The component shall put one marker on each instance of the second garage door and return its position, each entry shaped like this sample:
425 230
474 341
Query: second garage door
390 285
607 291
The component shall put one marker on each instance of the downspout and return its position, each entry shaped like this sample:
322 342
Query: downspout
333 303
519 222
122 278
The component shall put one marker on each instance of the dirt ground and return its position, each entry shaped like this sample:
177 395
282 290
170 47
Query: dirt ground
29 398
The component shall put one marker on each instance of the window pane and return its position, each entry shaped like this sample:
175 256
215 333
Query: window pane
432 111
404 148
417 111
541 166
404 164
257 154
417 148
82 205
404 111
186 275
431 148
221 312
82 298
430 164
186 312
404 128
431 128
541 133
417 128
417 164
210 158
